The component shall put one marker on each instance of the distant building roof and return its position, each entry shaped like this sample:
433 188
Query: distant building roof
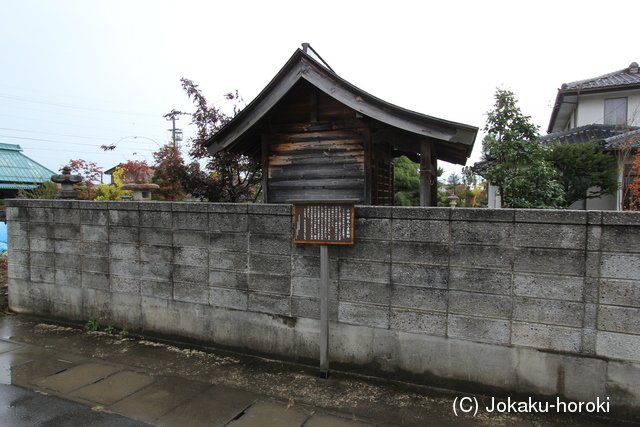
566 99
19 171
609 137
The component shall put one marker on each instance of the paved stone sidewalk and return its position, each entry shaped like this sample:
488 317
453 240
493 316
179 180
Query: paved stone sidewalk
164 385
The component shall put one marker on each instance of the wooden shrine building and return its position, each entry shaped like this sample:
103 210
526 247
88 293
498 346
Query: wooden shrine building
320 137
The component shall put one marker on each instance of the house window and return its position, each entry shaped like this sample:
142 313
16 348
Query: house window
615 111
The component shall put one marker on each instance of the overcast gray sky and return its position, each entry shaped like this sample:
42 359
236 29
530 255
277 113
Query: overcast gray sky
77 74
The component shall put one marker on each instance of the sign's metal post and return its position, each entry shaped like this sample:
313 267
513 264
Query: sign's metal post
323 222
324 311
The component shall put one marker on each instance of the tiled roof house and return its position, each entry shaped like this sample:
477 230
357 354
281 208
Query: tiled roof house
18 171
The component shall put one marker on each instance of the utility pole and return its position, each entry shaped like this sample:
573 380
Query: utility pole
176 134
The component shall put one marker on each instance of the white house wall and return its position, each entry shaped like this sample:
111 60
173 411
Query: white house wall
590 108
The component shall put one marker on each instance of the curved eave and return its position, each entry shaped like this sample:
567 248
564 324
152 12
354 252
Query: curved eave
302 66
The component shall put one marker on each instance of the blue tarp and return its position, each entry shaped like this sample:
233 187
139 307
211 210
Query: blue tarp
3 236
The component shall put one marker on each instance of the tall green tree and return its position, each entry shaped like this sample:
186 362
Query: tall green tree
584 172
514 161
407 182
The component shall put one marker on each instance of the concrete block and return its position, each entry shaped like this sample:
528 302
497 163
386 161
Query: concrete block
231 298
124 234
546 337
623 383
620 266
592 264
553 261
19 258
95 280
421 213
589 338
590 314
67 247
190 221
190 274
482 233
95 264
237 209
621 239
561 236
418 322
228 260
70 278
548 216
419 275
362 211
549 286
364 292
372 228
160 219
478 304
66 216
361 314
369 250
156 236
126 251
195 208
618 346
158 253
32 230
35 244
276 244
155 271
621 218
155 206
125 284
280 284
227 279
69 262
124 218
19 272
480 280
42 274
15 213
483 215
269 303
420 253
420 231
269 264
94 249
310 287
196 293
41 215
195 256
160 289
303 266
93 205
619 319
425 299
594 238
235 242
275 224
94 217
473 256
42 259
123 206
478 329
94 233
191 238
591 285
228 223
269 209
619 292
538 372
375 272
550 312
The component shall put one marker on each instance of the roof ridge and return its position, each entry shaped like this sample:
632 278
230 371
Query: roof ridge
592 79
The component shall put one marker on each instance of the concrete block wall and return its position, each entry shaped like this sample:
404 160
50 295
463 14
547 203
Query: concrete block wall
525 301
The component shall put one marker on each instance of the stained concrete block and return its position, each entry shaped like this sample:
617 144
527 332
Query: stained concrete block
304 266
269 264
483 215
427 299
124 234
269 303
158 288
20 272
420 231
95 264
538 372
418 322
561 236
280 284
42 274
95 280
190 274
227 279
33 230
194 256
190 221
125 251
124 284
420 253
619 292
570 288
158 253
228 223
369 250
547 216
71 278
585 380
124 218
159 219
621 218
275 224
483 233
364 292
269 209
478 304
191 238
237 209
363 314
35 244
619 319
197 293
156 236
42 259
310 287
419 275
478 329
480 280
41 215
421 213
623 383
235 242
69 262
476 256
551 261
97 233
310 308
125 267
361 211
66 216
372 228
549 337
94 216
19 258
231 298
276 244
15 213
236 261
620 266
375 272
594 238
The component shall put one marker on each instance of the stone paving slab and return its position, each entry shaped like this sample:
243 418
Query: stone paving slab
77 377
326 420
115 387
267 414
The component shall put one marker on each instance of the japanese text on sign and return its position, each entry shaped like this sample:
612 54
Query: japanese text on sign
323 223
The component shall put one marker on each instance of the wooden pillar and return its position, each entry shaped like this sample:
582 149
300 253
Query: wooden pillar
425 173
434 176
265 168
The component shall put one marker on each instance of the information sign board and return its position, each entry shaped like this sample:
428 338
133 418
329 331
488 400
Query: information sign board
329 222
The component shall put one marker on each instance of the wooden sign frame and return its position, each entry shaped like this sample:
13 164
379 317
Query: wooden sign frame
325 222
